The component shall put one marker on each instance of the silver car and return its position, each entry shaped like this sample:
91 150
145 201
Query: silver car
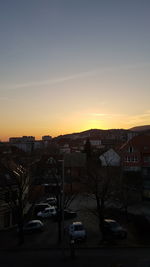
48 212
77 231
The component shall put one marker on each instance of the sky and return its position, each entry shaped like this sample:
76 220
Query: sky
72 65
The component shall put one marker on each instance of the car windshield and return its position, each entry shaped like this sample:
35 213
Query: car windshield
78 227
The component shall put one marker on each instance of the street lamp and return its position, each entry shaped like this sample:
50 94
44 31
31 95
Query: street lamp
62 196
60 187
62 204
60 193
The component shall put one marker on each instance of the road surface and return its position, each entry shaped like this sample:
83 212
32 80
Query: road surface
112 257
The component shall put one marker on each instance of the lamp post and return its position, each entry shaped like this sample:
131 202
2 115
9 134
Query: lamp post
62 205
59 189
61 199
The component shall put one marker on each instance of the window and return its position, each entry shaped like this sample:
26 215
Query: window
131 159
127 158
130 149
135 158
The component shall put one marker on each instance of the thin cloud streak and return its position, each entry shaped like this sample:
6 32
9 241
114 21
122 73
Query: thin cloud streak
53 81
128 120
106 115
98 114
76 75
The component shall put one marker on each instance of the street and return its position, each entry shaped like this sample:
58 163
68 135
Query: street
49 237
123 257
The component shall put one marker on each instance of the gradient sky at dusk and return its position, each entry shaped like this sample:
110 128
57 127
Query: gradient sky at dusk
73 65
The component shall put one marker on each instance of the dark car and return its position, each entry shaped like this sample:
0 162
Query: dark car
33 226
67 215
114 229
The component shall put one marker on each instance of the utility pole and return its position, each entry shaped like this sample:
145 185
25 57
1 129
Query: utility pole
62 206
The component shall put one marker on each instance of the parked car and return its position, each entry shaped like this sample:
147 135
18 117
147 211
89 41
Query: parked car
33 226
114 229
68 214
52 201
40 207
48 212
77 231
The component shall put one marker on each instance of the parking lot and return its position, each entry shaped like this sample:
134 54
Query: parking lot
84 207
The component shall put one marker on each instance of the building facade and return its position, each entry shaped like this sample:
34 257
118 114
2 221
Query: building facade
135 157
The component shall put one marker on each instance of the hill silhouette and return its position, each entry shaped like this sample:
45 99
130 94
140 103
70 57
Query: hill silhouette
140 128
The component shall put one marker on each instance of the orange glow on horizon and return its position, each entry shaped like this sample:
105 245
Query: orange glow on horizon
71 123
37 136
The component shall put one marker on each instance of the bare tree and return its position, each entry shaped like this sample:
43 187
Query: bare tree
129 191
101 183
69 197
64 195
15 187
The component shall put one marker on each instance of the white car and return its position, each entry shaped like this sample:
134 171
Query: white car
77 231
48 212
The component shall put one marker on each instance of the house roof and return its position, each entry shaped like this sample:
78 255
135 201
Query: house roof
140 142
110 150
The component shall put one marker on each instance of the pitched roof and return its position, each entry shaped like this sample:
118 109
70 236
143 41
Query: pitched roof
141 142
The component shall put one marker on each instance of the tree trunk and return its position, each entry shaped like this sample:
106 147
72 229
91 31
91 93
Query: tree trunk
20 226
126 213
100 210
59 216
20 219
21 234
